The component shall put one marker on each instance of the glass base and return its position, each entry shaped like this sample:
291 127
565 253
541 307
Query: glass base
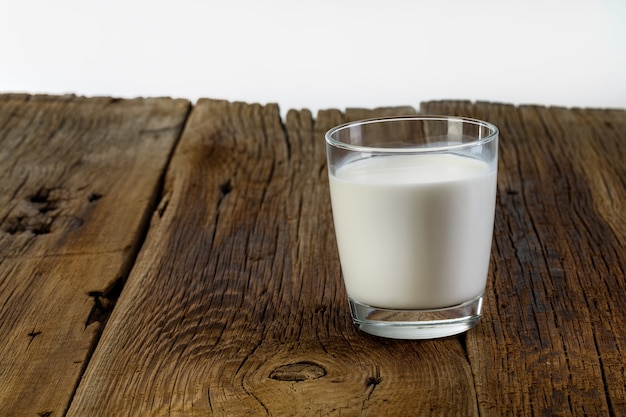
416 324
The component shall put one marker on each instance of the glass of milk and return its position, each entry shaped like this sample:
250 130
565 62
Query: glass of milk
413 202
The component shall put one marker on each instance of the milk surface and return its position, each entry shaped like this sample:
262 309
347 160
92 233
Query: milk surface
414 231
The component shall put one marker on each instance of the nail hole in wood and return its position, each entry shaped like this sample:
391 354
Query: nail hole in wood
225 187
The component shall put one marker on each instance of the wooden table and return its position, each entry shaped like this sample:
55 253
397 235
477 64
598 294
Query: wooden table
164 259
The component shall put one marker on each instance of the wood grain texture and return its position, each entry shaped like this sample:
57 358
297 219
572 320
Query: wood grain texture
236 306
553 340
78 181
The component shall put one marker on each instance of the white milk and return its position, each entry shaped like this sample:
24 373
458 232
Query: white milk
414 231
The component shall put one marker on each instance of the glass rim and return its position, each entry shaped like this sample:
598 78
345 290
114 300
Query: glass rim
493 134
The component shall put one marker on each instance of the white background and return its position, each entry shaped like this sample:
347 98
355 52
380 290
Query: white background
320 54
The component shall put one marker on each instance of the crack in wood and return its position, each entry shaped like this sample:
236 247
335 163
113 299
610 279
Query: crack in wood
163 206
371 383
104 303
33 335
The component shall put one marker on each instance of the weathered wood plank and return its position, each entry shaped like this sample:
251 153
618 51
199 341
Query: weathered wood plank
235 305
552 341
78 181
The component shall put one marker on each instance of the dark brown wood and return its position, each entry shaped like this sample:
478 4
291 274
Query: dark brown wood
235 304
552 340
78 181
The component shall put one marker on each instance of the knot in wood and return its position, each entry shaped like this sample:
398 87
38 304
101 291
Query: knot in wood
299 371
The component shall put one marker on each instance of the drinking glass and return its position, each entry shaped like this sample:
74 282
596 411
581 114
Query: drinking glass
413 201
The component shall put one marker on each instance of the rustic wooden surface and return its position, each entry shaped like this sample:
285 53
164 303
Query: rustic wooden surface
78 182
235 306
559 264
